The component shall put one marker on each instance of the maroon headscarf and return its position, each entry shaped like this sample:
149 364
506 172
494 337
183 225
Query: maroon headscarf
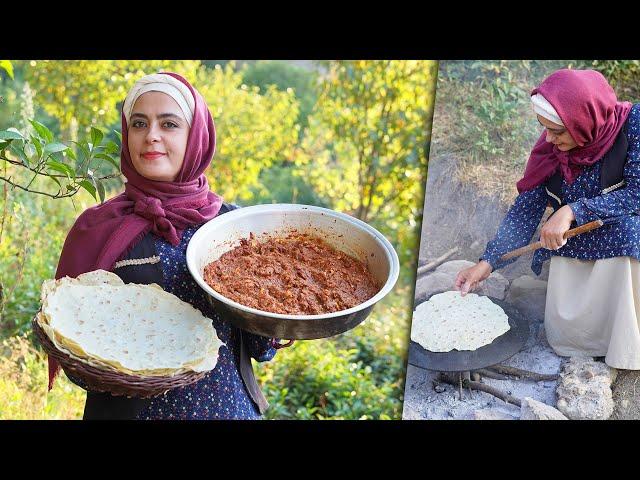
589 109
105 233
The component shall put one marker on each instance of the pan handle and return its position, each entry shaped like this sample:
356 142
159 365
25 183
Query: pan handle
277 345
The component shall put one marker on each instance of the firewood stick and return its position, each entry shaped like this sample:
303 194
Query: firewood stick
484 372
437 262
483 387
517 372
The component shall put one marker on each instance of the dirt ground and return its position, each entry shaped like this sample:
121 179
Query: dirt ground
626 395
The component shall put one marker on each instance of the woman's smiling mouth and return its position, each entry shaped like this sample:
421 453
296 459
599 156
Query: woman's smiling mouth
152 155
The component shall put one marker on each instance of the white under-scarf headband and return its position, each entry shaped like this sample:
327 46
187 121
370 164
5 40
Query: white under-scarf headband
543 108
159 82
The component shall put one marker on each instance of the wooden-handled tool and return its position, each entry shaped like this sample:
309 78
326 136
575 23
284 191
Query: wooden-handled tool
570 233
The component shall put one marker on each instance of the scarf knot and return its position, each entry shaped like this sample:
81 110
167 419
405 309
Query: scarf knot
149 208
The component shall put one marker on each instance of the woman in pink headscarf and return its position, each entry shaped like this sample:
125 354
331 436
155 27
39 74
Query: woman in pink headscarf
586 165
168 141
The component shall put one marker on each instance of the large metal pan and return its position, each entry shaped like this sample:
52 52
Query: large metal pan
343 232
502 348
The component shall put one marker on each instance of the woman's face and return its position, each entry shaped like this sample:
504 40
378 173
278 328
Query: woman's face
558 135
157 136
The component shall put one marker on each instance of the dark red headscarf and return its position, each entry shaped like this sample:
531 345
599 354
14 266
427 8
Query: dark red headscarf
105 233
589 109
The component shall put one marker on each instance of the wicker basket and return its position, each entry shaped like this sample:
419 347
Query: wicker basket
117 383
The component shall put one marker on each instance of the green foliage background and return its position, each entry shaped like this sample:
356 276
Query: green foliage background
350 135
480 111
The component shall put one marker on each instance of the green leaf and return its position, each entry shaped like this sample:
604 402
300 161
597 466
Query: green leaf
84 147
112 147
56 180
29 150
43 131
58 157
55 147
96 136
118 134
101 191
62 168
10 135
37 144
71 154
109 159
18 151
86 184
7 67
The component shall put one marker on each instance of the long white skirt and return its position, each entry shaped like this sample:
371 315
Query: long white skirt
593 308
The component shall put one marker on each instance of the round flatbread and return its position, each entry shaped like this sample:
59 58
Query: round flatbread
131 328
448 321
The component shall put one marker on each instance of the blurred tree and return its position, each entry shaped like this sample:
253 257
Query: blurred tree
211 64
284 76
7 67
254 131
86 92
367 146
621 74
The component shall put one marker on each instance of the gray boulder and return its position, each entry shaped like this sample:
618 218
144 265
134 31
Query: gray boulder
443 279
494 286
431 283
454 266
529 296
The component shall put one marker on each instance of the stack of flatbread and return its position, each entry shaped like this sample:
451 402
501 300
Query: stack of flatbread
448 321
130 328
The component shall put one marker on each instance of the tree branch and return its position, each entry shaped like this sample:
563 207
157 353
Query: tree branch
39 172
73 192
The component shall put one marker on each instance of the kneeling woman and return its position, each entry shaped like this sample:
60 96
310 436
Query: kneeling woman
168 141
587 166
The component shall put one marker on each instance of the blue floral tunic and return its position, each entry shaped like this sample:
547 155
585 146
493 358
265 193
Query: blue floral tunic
221 394
621 237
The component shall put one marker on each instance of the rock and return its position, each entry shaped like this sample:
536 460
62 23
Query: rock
491 414
584 389
452 267
529 296
432 283
494 286
534 410
443 279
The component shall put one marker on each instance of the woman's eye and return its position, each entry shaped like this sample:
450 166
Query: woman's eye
138 124
170 125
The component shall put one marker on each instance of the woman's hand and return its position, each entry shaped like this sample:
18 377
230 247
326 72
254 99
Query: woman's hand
468 279
552 233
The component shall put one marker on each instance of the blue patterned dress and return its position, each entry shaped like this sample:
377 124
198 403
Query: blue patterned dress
621 237
221 394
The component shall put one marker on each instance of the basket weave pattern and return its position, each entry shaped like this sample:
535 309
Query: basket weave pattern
117 383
